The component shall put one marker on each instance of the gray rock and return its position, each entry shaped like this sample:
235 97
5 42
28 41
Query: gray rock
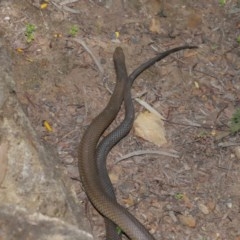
35 202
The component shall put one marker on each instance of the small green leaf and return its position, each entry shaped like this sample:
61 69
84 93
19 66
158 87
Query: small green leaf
238 39
73 31
222 2
29 32
235 121
179 196
119 230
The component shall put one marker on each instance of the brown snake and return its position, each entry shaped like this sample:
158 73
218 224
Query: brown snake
93 175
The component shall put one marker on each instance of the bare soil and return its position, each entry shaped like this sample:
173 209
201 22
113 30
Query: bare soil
195 196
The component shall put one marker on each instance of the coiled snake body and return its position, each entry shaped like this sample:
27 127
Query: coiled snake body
92 156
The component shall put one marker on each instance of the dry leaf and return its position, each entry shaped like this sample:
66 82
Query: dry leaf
150 127
3 161
211 205
194 21
237 152
187 201
114 173
129 201
189 220
203 208
113 177
155 25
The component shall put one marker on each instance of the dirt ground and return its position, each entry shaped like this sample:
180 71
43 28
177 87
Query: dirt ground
195 196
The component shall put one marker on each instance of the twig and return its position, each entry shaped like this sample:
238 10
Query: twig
44 22
3 160
228 144
66 135
64 2
196 125
80 41
148 107
144 152
65 8
205 73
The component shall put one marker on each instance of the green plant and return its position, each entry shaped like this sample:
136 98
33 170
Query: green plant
29 32
238 39
73 30
202 134
214 47
119 230
222 2
235 121
179 196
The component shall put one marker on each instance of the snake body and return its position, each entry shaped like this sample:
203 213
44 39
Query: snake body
87 160
92 157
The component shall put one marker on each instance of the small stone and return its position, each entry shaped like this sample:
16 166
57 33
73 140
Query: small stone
7 18
229 205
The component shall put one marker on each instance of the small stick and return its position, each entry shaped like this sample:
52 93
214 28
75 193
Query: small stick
80 41
144 152
65 8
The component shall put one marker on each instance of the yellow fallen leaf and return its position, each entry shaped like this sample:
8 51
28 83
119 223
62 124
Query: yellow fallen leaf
43 5
47 126
19 50
58 35
150 127
117 34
